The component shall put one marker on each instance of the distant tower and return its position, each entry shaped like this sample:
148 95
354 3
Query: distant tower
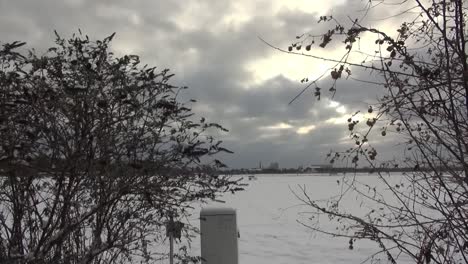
260 164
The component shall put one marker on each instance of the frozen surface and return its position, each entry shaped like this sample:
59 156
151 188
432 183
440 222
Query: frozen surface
267 214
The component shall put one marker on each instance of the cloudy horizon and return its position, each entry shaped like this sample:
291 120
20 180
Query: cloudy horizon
215 48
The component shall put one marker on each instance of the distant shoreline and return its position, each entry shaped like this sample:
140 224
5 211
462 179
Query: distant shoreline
328 170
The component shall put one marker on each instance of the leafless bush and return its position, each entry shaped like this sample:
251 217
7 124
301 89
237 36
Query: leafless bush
95 152
423 69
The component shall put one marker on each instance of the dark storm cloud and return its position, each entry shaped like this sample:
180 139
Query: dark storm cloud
211 58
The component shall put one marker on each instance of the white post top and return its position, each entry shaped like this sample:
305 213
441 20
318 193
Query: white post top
217 211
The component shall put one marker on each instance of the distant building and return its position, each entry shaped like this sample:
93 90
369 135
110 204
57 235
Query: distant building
274 166
257 169
319 167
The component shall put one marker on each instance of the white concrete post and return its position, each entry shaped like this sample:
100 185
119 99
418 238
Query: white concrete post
219 235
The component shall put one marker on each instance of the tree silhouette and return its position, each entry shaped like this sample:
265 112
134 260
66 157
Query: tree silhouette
423 70
96 151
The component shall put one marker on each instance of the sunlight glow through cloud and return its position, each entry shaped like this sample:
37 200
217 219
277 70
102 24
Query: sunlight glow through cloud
318 7
339 108
292 67
305 129
278 126
342 120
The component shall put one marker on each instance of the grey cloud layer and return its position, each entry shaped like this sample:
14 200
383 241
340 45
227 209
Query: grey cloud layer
212 61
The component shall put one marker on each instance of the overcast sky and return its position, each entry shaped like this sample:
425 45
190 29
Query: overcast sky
213 47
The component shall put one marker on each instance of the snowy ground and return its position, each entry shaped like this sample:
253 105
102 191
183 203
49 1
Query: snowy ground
267 214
